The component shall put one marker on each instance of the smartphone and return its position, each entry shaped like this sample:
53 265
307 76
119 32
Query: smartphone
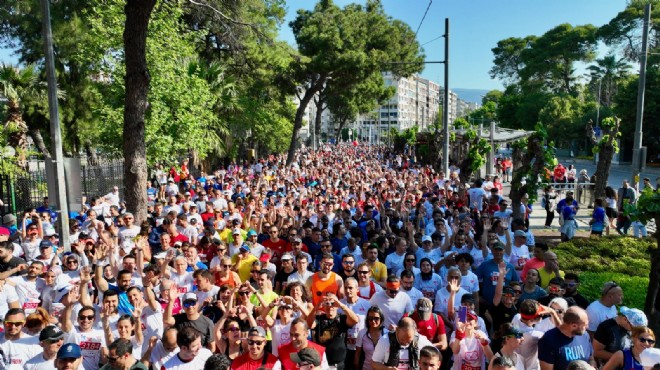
462 314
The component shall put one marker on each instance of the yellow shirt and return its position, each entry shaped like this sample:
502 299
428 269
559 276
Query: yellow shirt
245 266
546 277
379 271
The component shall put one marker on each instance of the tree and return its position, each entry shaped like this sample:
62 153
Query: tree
508 62
346 45
477 149
606 146
19 87
531 158
606 76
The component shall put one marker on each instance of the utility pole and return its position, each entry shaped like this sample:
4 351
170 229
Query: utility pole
445 105
639 154
55 132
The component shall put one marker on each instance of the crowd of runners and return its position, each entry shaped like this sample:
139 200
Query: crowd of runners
351 258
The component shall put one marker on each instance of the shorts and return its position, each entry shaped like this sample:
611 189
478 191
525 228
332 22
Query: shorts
611 213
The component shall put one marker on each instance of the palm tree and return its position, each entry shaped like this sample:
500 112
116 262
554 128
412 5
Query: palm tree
19 86
608 72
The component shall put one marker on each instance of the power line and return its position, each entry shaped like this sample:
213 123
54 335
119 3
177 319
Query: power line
430 41
424 17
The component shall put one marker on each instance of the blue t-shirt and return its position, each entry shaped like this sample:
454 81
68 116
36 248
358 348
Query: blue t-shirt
598 219
125 307
559 350
488 273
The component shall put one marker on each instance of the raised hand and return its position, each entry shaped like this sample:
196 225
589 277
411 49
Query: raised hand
454 285
503 270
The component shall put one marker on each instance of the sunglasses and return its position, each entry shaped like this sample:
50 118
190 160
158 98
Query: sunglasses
253 271
348 262
410 260
392 291
647 340
571 285
255 342
363 272
14 323
612 285
86 317
222 250
232 330
226 266
72 261
245 293
189 303
373 318
517 336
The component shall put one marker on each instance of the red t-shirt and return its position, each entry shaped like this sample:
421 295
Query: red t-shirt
179 238
278 248
430 328
244 362
286 350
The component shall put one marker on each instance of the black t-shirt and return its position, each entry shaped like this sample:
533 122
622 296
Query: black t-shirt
344 276
282 276
611 335
203 325
579 300
332 335
502 314
13 262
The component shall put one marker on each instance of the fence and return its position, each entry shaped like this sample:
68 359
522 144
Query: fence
20 192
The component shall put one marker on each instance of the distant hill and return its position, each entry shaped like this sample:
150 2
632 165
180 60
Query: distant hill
470 95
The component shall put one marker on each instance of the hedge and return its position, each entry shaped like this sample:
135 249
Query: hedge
625 260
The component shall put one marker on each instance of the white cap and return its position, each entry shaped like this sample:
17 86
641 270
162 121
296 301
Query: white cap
236 231
426 238
650 357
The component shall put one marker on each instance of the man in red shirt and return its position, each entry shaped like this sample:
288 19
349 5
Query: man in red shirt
256 357
429 324
275 244
298 332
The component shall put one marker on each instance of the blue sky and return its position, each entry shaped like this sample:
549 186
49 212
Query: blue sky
475 28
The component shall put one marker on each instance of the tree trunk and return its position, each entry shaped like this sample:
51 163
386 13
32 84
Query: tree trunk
317 123
342 123
138 13
92 158
35 134
603 169
530 163
315 87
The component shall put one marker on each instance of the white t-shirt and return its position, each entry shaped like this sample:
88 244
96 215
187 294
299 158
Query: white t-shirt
394 263
518 360
184 282
476 198
7 295
197 363
470 282
382 351
29 292
414 294
360 308
519 256
442 299
393 308
90 344
470 354
202 295
159 355
281 334
17 352
38 363
31 249
152 324
365 290
597 313
127 234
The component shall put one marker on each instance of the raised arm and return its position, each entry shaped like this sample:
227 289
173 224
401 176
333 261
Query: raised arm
85 278
503 271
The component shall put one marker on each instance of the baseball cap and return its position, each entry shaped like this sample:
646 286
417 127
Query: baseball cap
264 257
520 233
257 331
650 357
286 257
69 350
8 219
296 240
498 245
189 297
51 332
4 231
426 238
424 308
251 233
508 290
45 244
512 332
245 248
160 256
635 316
309 355
236 231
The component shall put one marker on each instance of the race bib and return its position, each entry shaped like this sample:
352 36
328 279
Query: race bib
493 277
428 294
182 289
90 346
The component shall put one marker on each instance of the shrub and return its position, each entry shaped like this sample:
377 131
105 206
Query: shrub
610 254
634 287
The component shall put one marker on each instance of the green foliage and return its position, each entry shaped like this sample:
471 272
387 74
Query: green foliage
634 287
610 258
646 208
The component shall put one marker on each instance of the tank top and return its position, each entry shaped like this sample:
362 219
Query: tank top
229 281
629 362
320 288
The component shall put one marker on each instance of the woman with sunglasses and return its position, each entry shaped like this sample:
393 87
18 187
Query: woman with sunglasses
241 308
511 339
221 266
228 339
628 359
368 339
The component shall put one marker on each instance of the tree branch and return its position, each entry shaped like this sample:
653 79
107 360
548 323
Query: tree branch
223 15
